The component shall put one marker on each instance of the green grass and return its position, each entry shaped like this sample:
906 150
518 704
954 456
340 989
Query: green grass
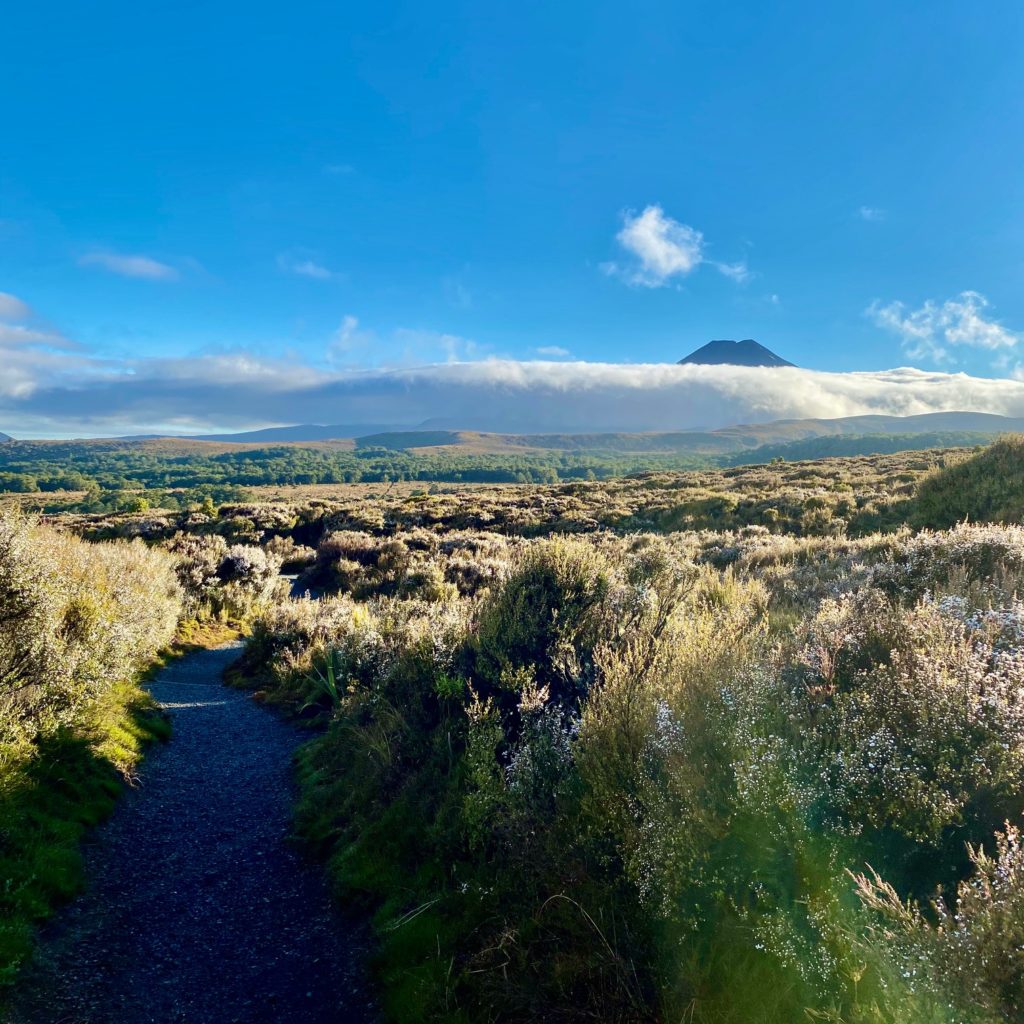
51 792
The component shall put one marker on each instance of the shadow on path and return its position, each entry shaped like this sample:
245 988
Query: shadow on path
198 909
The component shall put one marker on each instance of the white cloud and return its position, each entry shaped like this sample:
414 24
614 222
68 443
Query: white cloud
31 354
50 385
662 249
931 330
737 271
129 265
871 213
241 390
12 308
553 351
347 339
19 334
419 346
305 266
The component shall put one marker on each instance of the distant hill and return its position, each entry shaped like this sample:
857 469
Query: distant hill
742 443
734 353
847 445
722 441
760 440
5 437
300 432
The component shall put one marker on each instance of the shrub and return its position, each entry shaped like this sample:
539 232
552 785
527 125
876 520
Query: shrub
78 621
548 616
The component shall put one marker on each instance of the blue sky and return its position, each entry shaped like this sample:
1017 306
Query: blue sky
378 185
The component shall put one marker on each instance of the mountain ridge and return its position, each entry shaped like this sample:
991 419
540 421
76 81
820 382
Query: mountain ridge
722 439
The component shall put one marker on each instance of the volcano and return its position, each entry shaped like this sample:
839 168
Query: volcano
735 353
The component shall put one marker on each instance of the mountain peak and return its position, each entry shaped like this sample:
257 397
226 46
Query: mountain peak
735 353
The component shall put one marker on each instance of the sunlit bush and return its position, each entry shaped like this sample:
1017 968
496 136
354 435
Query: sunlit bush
75 618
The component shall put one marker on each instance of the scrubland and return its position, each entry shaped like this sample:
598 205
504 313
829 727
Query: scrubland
725 746
722 746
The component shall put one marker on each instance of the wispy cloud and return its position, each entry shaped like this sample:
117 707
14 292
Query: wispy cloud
661 250
346 340
934 328
418 345
871 213
129 265
736 271
352 345
553 351
12 308
305 265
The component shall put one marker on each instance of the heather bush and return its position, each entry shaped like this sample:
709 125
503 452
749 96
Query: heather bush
918 715
225 581
975 943
547 617
976 560
294 557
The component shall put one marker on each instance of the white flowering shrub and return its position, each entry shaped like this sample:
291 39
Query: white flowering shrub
974 942
222 580
918 713
970 557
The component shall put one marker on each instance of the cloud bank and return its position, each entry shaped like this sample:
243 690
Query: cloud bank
52 386
73 396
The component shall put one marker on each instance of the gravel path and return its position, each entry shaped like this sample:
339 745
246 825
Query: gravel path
198 909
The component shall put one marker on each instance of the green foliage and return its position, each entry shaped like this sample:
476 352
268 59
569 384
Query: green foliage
985 487
78 622
547 618
627 777
639 773
112 469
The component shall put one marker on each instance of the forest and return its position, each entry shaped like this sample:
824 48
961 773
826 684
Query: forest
731 745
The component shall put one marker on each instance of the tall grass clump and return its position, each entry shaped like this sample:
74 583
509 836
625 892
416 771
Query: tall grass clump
78 622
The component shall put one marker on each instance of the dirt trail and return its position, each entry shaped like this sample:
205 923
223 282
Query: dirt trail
198 909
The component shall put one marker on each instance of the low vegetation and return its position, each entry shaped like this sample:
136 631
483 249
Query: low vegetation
733 745
78 623
137 475
767 772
